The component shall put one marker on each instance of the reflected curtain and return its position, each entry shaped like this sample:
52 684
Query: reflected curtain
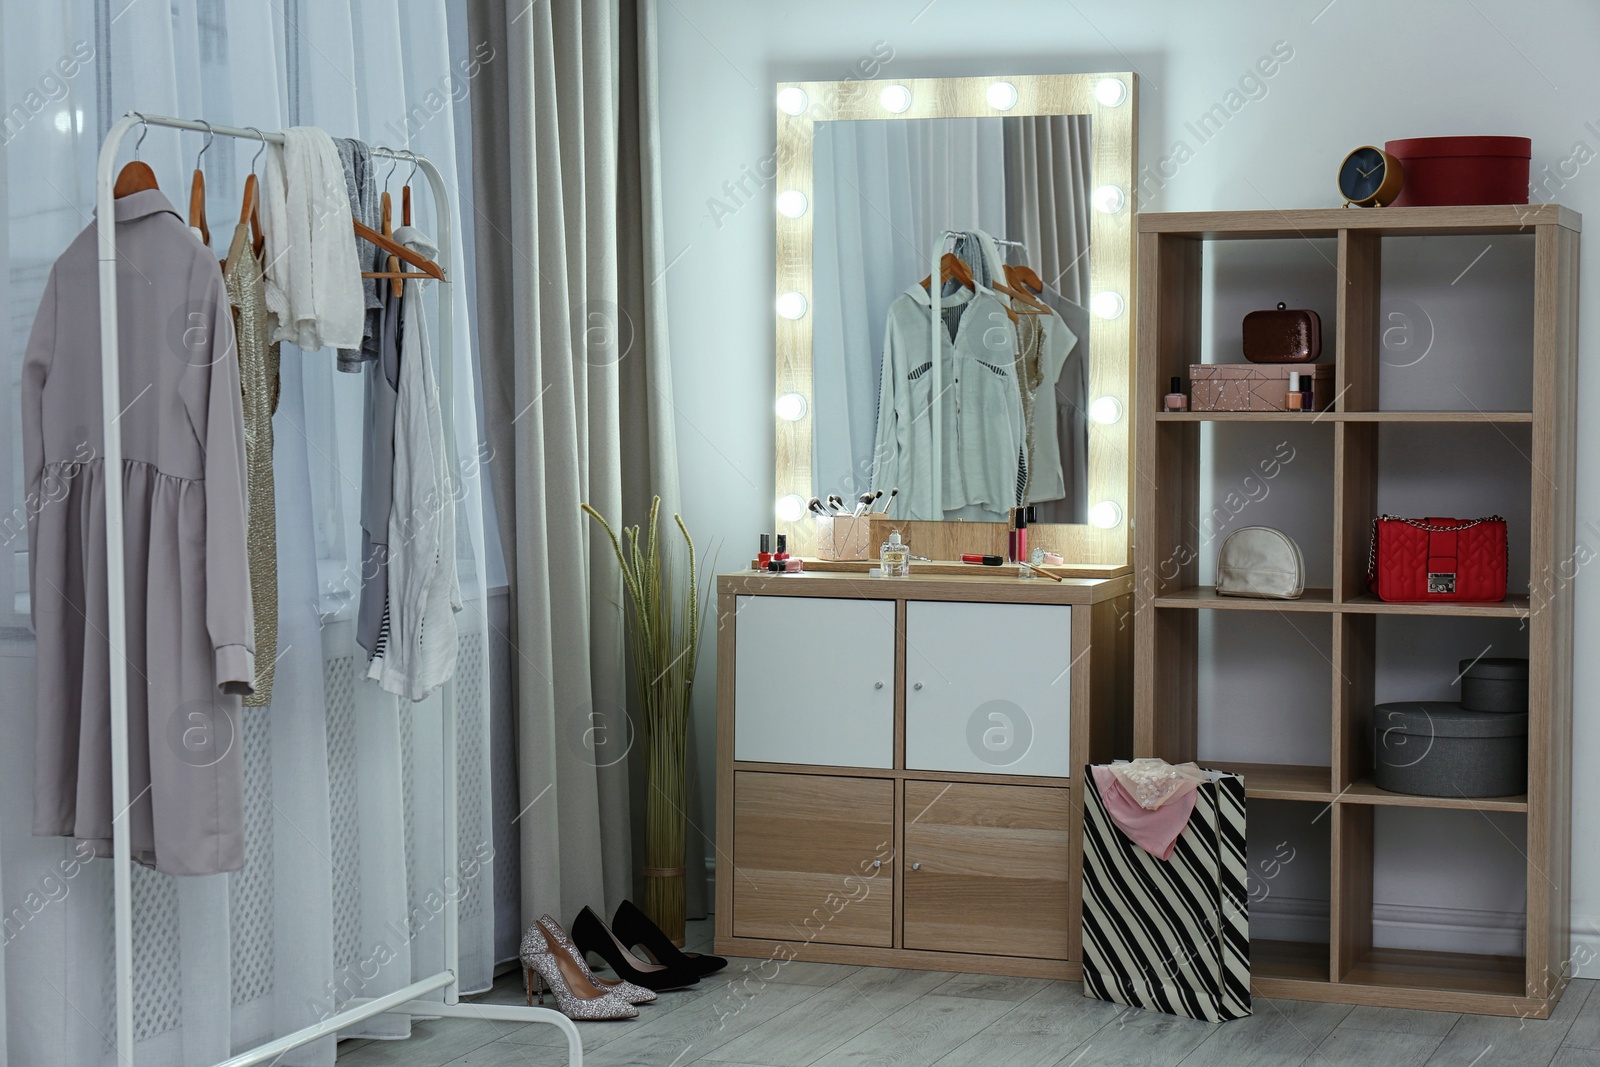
884 192
1047 208
578 404
340 895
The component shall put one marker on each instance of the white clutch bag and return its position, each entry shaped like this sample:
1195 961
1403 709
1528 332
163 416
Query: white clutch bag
1262 562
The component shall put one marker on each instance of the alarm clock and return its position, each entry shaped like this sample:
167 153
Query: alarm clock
1370 177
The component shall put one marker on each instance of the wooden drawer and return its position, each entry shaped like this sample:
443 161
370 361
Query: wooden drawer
814 858
988 869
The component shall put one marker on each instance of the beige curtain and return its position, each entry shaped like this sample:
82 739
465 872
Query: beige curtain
578 407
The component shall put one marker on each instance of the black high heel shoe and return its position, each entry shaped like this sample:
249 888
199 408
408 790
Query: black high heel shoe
633 927
591 934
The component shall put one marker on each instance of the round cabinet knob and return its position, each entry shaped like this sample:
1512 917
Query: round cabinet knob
917 686
877 863
916 866
877 685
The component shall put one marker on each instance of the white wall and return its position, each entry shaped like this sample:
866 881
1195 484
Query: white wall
1361 72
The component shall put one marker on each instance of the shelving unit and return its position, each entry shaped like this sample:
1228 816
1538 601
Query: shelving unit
1171 599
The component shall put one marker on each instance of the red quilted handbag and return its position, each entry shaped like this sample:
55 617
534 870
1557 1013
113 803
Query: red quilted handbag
1421 560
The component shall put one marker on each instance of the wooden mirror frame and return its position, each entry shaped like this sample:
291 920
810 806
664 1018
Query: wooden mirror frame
1111 268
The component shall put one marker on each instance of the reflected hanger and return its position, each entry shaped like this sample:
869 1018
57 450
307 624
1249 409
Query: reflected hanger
1017 290
136 176
952 268
197 189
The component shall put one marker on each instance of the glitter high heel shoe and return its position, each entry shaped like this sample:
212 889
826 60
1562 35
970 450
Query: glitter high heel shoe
576 997
633 994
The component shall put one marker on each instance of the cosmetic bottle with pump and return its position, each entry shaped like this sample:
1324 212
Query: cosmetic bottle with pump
894 558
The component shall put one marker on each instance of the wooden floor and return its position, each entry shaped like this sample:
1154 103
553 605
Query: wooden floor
831 1016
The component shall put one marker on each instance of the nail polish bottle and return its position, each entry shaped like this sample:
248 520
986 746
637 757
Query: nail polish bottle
1294 398
1308 396
783 548
1176 400
765 556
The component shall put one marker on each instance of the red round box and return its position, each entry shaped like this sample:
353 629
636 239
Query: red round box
1462 170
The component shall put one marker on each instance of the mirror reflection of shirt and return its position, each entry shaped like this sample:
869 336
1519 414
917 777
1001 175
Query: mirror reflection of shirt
979 407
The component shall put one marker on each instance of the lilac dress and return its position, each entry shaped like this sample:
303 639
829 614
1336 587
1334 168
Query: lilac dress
190 650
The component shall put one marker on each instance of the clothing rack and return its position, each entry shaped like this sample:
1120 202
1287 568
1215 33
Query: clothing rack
401 1001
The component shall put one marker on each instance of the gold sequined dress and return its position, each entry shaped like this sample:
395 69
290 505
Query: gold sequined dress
258 382
1030 377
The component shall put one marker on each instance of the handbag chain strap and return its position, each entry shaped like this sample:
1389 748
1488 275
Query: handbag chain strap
1372 547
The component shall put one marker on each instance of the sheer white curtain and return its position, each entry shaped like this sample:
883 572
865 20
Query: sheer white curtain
885 192
344 887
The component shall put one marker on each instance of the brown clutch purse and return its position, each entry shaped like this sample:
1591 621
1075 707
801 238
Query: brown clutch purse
1283 335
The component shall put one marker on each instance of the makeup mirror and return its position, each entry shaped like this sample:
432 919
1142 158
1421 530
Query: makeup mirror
1015 196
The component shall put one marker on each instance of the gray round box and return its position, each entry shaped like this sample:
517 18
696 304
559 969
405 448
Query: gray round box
1436 748
1495 683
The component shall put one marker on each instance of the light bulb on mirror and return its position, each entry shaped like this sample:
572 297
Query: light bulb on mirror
792 305
792 407
895 98
791 203
1105 410
1111 91
1107 304
1002 96
1108 199
1106 514
790 508
793 100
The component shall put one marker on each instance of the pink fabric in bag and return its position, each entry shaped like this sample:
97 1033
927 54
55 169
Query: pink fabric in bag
1157 831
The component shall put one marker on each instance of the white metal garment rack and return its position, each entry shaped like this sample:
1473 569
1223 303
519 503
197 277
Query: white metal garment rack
401 1001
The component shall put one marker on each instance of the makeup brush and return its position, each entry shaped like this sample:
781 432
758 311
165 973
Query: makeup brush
814 505
836 502
862 503
1041 572
887 504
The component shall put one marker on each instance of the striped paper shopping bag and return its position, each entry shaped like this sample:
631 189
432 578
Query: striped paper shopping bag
1171 935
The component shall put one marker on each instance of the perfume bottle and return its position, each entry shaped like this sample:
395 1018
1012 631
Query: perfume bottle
894 558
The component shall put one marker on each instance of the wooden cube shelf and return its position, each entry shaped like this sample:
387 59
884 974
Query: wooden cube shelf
1171 597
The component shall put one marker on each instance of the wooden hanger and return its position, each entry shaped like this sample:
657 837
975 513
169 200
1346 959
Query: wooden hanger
136 176
197 190
1024 275
952 268
426 268
398 253
1032 305
250 209
405 192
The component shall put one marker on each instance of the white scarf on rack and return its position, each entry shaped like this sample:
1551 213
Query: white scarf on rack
313 277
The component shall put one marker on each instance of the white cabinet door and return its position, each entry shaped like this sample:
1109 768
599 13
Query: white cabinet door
814 681
988 688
